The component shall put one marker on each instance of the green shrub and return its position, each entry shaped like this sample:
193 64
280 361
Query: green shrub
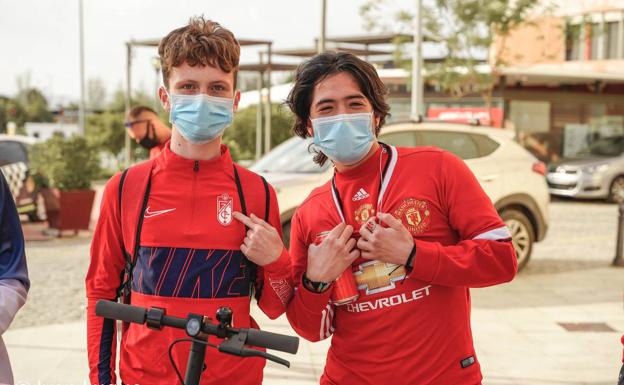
66 164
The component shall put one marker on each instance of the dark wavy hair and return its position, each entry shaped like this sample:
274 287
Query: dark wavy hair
321 66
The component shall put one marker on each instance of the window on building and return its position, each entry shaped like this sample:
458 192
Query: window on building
596 35
611 34
573 42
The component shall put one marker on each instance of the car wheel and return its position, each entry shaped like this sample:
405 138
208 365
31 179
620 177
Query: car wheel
286 234
522 235
39 213
616 191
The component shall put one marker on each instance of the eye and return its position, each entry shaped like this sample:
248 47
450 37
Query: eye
188 87
218 88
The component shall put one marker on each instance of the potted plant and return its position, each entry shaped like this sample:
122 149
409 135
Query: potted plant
65 169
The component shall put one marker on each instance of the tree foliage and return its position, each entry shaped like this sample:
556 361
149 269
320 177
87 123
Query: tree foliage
463 31
241 136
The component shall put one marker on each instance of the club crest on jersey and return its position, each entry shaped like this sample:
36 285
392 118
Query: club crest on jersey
224 209
363 213
414 214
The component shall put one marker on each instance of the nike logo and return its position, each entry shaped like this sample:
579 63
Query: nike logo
361 194
149 214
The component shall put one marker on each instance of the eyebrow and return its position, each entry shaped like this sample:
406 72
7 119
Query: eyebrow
349 97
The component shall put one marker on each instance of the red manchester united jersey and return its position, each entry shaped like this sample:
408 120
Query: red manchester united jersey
405 327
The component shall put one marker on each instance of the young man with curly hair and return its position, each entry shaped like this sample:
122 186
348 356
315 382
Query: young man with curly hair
184 232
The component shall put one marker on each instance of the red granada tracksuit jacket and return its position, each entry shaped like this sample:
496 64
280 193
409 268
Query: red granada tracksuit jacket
188 261
406 327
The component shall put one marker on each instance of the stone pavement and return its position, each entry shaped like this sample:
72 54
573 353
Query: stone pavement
517 327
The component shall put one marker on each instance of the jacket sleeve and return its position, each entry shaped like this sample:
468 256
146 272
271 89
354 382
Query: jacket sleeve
102 281
310 314
14 282
274 280
484 255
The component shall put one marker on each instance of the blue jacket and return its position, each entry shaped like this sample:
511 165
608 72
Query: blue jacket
12 256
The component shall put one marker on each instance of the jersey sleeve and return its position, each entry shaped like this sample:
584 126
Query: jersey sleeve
102 281
274 280
310 314
484 256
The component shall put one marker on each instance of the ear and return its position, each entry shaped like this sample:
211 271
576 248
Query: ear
376 121
164 98
309 127
236 100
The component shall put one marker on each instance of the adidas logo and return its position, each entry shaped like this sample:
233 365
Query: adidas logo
361 194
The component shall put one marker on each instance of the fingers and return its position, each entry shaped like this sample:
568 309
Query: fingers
353 255
243 219
244 249
259 221
364 245
390 220
367 255
346 234
350 244
365 231
336 231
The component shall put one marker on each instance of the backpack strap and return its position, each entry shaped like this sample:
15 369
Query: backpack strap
135 182
253 268
267 199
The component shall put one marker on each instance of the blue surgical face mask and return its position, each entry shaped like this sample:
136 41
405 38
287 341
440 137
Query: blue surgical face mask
200 118
346 138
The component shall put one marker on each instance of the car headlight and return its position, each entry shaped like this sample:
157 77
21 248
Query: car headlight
596 169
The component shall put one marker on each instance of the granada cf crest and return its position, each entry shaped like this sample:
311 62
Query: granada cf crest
224 209
414 214
364 212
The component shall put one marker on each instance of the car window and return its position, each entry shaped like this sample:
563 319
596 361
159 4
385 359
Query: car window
12 152
485 145
403 139
458 143
293 156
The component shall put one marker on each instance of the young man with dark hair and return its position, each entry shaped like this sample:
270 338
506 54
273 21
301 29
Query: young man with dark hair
189 251
146 128
14 282
413 227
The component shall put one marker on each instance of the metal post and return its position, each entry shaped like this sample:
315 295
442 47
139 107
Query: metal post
267 106
321 42
81 112
128 152
619 249
259 113
417 84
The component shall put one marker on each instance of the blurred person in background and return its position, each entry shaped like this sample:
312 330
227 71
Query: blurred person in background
14 282
146 128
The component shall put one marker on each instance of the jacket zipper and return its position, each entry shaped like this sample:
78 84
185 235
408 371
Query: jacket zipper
193 193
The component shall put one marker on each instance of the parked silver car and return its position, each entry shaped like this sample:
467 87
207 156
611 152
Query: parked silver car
597 172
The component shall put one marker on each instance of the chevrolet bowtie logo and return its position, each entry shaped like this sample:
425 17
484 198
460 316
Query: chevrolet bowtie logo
376 277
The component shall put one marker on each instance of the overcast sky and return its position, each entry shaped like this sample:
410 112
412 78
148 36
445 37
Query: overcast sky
40 37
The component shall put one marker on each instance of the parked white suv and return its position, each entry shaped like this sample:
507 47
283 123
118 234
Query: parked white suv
512 177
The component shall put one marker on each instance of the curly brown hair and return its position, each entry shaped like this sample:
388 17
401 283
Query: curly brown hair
311 72
201 42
